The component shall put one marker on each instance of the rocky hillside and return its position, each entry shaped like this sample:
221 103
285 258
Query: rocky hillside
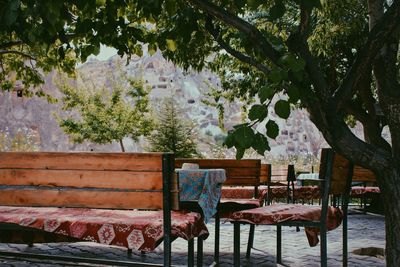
35 116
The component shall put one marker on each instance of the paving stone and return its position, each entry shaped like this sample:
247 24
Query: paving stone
364 231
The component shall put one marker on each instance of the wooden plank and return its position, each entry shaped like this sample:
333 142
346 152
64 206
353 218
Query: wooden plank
220 163
79 198
81 161
363 175
242 181
82 178
265 173
238 172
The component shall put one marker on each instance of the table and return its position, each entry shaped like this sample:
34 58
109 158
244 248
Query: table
202 185
308 179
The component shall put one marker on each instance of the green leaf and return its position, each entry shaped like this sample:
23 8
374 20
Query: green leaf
244 136
272 129
258 112
138 50
266 92
260 144
277 11
170 6
240 153
11 12
277 75
295 64
152 49
230 140
240 3
254 4
311 3
293 93
282 109
171 45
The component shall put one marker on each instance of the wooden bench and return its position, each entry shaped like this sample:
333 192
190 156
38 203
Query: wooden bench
104 190
368 179
277 180
239 173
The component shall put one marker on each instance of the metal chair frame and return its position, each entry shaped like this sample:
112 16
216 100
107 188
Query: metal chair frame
318 224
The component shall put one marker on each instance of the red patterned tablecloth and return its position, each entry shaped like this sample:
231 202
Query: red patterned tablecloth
278 213
307 192
359 191
141 230
247 192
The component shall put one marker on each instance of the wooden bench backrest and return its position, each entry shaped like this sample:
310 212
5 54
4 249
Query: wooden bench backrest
341 169
265 173
80 179
238 172
283 173
361 174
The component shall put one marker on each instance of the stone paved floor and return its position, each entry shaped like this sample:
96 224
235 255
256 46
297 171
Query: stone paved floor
364 231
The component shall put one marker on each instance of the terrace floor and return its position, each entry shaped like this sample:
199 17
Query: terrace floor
365 230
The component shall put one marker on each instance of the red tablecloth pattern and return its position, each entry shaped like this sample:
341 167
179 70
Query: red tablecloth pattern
307 192
141 230
279 213
360 191
276 192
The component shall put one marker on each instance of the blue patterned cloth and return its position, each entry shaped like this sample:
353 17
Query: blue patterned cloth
203 185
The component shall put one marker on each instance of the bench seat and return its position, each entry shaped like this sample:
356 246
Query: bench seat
138 229
284 213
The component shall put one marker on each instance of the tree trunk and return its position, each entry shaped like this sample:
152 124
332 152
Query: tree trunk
390 188
122 145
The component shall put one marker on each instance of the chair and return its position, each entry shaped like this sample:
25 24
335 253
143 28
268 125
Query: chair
240 174
279 182
337 173
364 177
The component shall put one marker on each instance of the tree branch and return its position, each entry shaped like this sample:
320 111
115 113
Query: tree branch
297 44
3 52
365 57
10 44
243 26
235 53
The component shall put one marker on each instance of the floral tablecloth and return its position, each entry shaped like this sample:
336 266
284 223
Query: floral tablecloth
141 230
307 192
278 213
359 191
203 185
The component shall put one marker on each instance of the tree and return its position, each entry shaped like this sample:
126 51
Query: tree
336 59
106 116
172 133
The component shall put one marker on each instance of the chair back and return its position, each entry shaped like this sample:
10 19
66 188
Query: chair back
265 174
363 175
245 172
337 173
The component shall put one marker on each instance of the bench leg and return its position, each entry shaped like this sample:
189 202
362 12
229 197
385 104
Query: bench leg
191 253
216 242
236 244
344 240
324 255
199 251
251 240
279 244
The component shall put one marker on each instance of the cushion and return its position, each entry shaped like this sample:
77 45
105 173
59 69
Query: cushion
281 213
141 230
